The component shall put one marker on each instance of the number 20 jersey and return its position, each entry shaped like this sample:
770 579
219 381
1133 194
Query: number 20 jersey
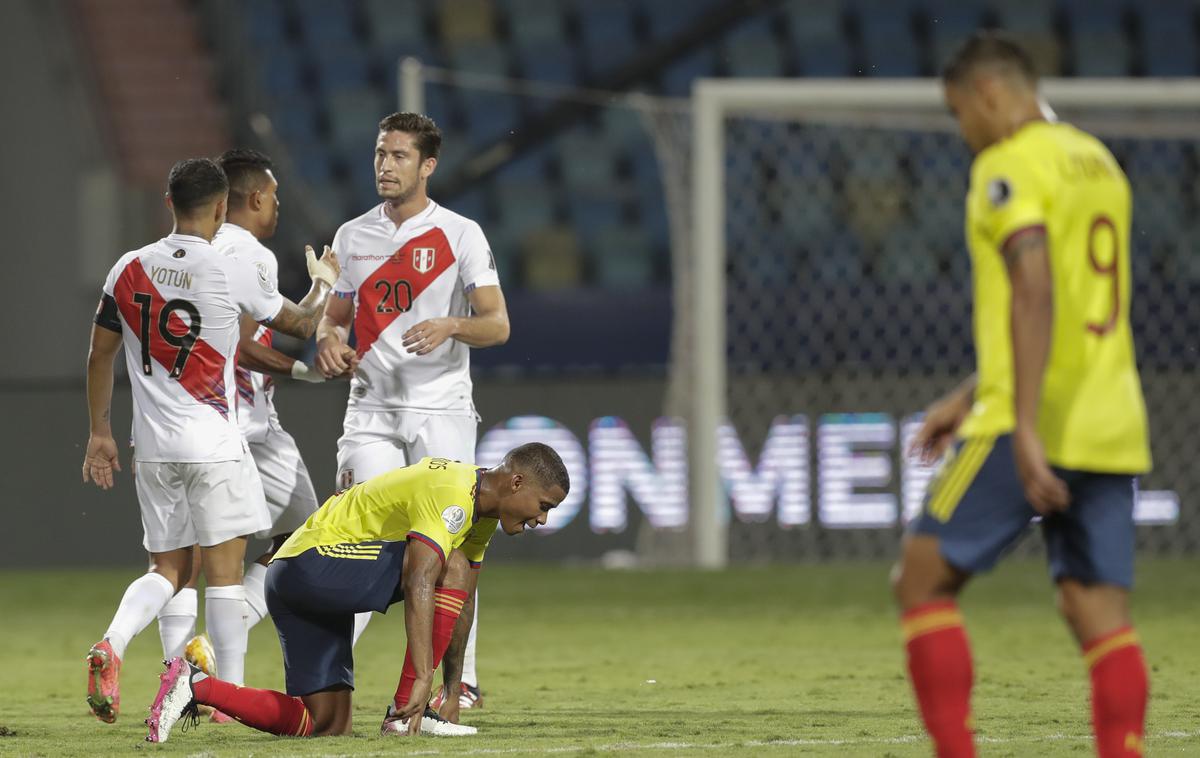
1063 181
400 276
179 302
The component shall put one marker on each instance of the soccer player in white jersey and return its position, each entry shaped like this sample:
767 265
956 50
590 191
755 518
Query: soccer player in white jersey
252 216
419 284
175 305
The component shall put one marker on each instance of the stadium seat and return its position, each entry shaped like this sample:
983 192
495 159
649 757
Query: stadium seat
552 61
392 22
281 72
1100 54
295 120
825 57
522 206
607 34
1026 18
587 161
622 257
752 50
340 67
326 23
666 19
311 160
1168 39
490 115
480 57
466 22
534 22
589 215
354 117
678 76
530 166
949 22
265 25
889 47
813 19
551 259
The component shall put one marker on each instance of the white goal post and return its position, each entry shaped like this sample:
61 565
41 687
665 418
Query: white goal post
716 100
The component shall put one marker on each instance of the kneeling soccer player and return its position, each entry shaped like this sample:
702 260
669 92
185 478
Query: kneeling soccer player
415 534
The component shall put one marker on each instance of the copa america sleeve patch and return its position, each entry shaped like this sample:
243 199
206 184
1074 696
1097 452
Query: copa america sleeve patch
999 191
454 517
264 278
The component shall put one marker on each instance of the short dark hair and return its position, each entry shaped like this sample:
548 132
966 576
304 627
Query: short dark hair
989 48
193 183
428 136
246 169
543 462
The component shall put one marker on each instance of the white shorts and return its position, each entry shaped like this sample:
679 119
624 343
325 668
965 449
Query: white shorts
375 442
285 481
184 504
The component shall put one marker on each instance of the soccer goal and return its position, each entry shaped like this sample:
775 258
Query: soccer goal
822 290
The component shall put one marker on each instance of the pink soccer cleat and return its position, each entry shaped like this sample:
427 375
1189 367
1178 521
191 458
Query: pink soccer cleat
174 702
104 671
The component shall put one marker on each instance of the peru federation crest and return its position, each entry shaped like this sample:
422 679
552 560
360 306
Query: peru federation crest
423 258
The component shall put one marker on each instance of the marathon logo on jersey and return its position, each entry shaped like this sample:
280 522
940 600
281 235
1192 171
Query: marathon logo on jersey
999 191
264 277
423 259
454 517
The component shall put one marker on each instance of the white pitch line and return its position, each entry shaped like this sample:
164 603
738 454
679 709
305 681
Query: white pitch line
624 747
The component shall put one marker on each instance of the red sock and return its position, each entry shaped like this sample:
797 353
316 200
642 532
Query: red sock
264 710
939 664
1120 688
447 606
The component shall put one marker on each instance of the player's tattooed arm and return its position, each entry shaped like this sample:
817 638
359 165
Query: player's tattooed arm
100 459
1027 258
300 319
256 356
487 326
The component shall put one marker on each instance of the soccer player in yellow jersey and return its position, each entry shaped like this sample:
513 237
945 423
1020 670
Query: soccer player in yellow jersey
415 534
1053 422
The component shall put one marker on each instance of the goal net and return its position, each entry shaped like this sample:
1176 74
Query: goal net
822 295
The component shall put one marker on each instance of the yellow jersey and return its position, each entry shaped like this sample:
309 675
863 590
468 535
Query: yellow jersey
1057 178
433 501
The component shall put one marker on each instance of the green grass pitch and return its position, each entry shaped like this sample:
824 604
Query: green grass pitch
800 660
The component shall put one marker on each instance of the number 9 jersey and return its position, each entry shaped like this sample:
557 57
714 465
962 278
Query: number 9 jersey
177 304
1054 178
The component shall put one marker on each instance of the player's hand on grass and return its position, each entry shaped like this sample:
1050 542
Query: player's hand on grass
1044 491
326 268
942 420
414 709
426 336
336 359
100 460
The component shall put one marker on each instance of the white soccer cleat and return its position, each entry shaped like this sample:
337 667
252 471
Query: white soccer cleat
468 697
431 724
174 701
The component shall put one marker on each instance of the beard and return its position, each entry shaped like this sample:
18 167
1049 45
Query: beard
396 194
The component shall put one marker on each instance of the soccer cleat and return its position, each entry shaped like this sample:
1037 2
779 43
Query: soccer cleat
104 670
174 702
199 652
431 724
468 697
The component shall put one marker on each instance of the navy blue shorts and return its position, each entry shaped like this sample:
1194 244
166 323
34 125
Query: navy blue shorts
977 509
313 597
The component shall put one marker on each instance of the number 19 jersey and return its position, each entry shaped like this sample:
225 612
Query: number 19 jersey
1055 178
177 304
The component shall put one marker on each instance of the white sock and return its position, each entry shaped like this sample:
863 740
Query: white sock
177 622
469 677
255 582
360 624
142 601
225 619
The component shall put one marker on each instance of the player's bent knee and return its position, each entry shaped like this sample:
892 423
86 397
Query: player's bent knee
922 575
1092 610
